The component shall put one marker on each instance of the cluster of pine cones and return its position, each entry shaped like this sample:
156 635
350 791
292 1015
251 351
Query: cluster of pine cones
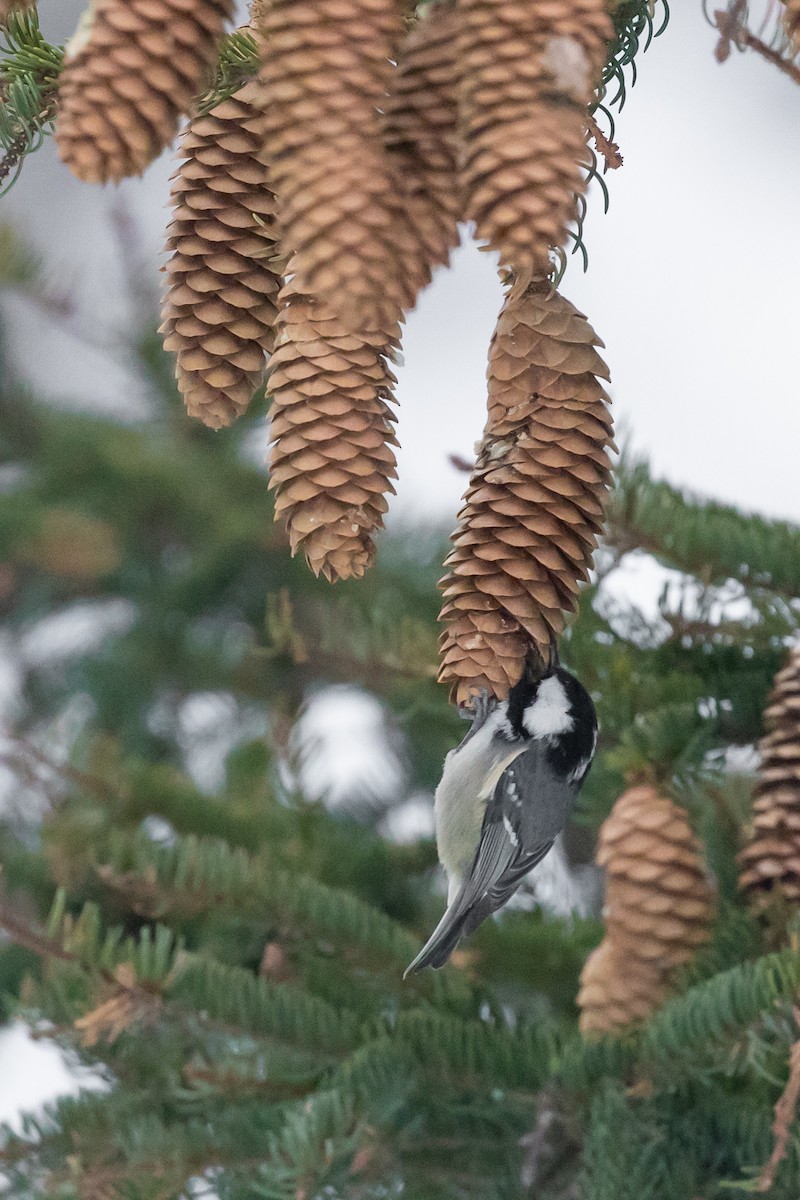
310 207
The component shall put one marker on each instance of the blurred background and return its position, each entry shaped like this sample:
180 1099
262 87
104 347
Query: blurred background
152 620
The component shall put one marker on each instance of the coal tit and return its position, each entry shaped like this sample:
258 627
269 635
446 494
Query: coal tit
506 793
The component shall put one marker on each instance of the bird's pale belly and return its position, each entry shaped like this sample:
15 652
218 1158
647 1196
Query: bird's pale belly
461 799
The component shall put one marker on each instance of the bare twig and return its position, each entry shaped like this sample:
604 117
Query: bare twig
785 1108
609 151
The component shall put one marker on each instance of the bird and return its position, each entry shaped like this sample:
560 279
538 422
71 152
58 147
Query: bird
505 794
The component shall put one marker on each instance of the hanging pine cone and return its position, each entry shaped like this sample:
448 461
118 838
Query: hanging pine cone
528 72
770 861
221 302
421 133
659 900
534 506
326 71
131 71
332 456
659 905
616 992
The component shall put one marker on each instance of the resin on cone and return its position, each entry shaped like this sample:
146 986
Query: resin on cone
528 73
534 507
325 75
332 457
132 70
421 133
223 274
658 911
770 861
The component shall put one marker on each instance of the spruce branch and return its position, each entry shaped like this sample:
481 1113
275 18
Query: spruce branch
29 72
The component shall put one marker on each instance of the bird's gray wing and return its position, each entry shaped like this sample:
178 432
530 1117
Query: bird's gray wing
528 808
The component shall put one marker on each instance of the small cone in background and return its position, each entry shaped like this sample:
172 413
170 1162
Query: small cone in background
325 75
421 133
528 72
770 861
659 906
132 70
534 506
223 280
332 458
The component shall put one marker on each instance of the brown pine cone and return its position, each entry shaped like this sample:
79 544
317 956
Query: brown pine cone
616 991
131 71
326 71
659 900
534 506
770 861
421 132
332 458
528 72
223 274
659 907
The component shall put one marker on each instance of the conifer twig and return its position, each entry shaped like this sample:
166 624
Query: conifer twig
785 1108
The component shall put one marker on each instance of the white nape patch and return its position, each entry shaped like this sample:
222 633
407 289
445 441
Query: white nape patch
550 712
510 830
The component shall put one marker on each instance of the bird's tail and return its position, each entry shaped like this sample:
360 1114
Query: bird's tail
462 916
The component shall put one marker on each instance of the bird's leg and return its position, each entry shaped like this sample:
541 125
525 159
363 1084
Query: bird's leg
482 705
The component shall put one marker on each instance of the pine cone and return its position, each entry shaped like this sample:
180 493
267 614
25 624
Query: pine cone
327 65
616 992
659 906
528 72
534 506
770 861
331 460
221 303
422 136
659 901
129 74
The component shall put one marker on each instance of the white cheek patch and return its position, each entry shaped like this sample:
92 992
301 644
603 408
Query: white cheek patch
549 715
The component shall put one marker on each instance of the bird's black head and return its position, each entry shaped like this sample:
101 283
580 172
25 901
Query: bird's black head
571 697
